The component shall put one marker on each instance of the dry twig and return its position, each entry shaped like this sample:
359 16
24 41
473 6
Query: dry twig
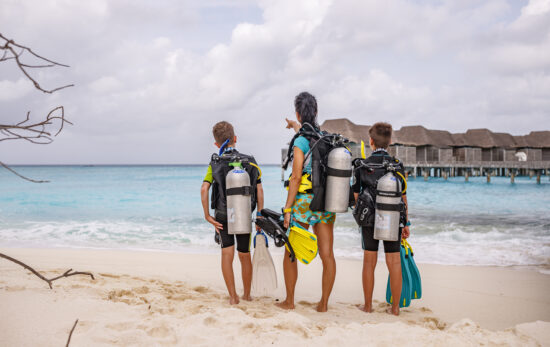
67 273
14 51
71 334
34 132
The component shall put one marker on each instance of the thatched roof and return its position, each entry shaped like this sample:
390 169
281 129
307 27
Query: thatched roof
347 128
417 135
538 139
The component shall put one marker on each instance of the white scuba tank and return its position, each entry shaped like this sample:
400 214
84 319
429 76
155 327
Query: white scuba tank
239 202
338 180
387 211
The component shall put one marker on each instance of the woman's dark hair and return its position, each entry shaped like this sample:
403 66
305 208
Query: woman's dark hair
306 106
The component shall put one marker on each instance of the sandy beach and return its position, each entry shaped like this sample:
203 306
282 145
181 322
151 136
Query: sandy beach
149 298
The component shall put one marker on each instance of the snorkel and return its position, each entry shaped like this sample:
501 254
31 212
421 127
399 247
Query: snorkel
222 147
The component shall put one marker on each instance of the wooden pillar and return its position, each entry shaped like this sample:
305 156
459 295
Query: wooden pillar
531 173
426 173
512 177
445 175
466 174
488 176
538 176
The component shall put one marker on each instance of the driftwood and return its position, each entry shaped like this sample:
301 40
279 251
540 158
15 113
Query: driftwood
32 131
71 334
67 273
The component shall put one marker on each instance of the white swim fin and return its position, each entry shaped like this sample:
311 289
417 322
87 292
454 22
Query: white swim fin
264 276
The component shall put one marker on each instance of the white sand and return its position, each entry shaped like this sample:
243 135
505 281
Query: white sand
146 298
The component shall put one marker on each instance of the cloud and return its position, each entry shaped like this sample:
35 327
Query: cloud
155 76
14 90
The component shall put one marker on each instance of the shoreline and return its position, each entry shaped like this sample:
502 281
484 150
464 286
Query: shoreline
202 250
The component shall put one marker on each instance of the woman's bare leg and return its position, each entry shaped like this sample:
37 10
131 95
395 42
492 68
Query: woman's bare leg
325 241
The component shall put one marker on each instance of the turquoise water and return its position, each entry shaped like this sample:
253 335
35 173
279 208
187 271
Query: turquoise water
158 208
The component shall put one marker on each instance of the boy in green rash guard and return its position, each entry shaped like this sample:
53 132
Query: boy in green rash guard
225 138
380 138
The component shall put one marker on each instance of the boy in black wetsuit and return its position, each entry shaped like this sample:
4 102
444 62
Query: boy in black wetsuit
380 138
225 138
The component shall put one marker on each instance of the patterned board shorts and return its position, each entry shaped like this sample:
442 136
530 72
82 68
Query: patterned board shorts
302 213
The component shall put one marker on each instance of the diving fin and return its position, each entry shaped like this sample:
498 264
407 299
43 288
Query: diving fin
416 292
264 276
406 288
304 244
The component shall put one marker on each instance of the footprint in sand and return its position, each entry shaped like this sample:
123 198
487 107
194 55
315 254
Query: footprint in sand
434 323
210 321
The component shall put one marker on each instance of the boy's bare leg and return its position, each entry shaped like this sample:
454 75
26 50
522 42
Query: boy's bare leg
290 270
369 264
227 270
393 260
325 240
246 270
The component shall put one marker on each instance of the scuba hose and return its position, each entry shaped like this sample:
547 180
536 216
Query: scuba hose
259 170
404 181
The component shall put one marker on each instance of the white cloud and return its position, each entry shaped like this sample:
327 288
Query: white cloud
14 90
141 82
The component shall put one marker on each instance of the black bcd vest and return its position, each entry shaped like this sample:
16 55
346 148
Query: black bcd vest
320 145
220 169
369 176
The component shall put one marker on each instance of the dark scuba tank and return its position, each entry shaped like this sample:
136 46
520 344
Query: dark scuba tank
239 201
338 180
388 208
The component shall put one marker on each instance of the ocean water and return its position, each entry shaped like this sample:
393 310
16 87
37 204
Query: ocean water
158 208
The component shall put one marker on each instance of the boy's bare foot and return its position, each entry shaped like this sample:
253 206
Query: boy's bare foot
393 311
247 297
322 307
365 308
285 305
233 300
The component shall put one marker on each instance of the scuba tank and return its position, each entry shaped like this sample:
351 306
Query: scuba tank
338 180
239 202
388 208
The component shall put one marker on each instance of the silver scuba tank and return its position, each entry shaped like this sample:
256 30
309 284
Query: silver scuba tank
239 202
338 180
387 211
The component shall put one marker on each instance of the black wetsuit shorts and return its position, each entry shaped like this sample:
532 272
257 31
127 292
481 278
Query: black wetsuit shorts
371 244
227 240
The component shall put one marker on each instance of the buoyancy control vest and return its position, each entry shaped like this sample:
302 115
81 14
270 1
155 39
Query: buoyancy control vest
221 166
371 173
321 143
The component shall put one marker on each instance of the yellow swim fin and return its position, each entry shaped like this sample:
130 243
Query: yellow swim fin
304 244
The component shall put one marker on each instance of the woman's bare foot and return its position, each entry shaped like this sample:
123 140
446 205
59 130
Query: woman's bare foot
247 297
365 308
392 310
322 307
285 305
233 300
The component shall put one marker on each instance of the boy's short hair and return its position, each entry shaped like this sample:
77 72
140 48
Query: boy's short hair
222 132
380 133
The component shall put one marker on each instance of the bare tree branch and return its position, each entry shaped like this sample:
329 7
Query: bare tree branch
36 132
67 273
11 48
21 176
71 334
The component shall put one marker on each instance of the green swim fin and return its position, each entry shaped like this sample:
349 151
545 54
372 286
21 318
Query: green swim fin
264 275
413 269
406 289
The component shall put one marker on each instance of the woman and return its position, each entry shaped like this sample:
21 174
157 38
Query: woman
297 208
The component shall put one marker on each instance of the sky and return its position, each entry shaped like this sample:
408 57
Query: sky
152 77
